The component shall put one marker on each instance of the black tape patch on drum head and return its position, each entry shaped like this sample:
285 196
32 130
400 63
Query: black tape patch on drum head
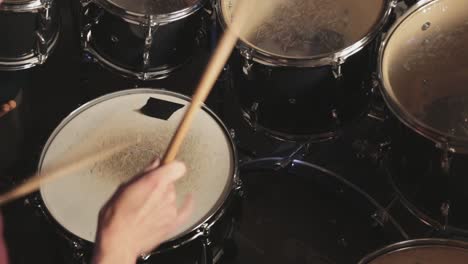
160 109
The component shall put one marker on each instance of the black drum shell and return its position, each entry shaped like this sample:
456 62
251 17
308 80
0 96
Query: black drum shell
305 100
123 43
428 175
19 29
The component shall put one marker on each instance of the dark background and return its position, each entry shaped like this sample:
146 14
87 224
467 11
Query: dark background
68 80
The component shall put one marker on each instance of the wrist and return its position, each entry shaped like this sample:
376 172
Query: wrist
105 253
112 257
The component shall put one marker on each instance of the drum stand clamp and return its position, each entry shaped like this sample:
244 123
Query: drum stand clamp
207 251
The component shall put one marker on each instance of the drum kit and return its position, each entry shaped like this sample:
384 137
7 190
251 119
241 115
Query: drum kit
304 76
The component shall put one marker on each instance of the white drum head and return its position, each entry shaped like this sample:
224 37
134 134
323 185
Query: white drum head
74 201
424 69
312 28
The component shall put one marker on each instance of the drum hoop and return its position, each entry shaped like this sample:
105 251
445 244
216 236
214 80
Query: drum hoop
143 20
278 161
25 7
289 137
159 73
30 60
415 243
442 140
330 59
409 204
189 235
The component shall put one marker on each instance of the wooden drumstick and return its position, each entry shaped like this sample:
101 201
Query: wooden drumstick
243 23
33 183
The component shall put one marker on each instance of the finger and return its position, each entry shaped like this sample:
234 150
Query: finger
168 197
162 176
12 104
184 212
159 200
4 110
6 107
154 164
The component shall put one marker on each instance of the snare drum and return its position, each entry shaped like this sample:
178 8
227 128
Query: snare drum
29 30
299 212
301 74
72 203
424 251
142 39
423 68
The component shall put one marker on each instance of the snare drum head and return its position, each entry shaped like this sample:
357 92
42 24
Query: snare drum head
312 28
425 253
74 200
424 69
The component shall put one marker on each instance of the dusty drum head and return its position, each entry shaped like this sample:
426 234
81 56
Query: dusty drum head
304 30
74 201
424 70
151 11
424 251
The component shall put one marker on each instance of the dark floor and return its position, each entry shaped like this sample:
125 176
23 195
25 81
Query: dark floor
317 219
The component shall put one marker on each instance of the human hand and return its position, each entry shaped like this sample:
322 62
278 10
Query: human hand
8 106
3 247
140 215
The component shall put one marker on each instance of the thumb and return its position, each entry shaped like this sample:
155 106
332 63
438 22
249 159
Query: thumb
153 165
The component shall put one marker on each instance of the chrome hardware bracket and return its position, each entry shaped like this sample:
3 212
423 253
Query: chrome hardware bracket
445 210
85 3
42 49
446 157
86 33
253 115
248 61
336 68
152 28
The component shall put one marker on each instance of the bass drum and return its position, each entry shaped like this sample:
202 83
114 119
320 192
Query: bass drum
426 251
29 30
303 213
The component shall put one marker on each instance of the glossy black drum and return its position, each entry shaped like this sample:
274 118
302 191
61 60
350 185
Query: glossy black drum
143 39
423 70
29 30
301 75
297 212
72 203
